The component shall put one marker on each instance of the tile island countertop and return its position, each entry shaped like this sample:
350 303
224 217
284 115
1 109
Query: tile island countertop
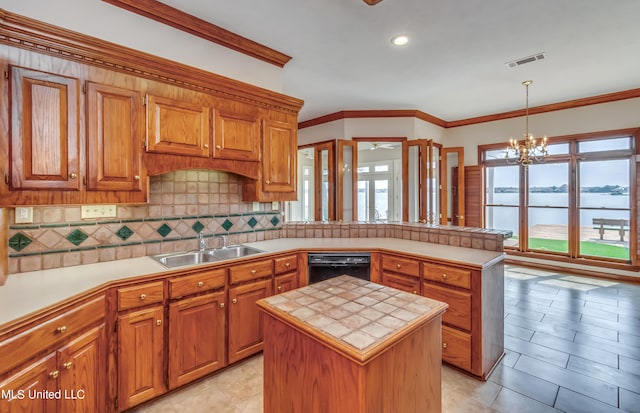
356 318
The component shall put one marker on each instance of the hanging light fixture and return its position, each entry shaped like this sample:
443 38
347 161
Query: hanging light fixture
530 149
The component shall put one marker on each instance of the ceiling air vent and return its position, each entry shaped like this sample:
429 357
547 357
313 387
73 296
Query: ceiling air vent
525 60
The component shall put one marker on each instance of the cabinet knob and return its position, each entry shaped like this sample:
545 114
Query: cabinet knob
143 297
158 322
221 305
54 374
73 175
253 272
287 264
279 288
136 178
234 301
206 146
415 292
398 266
200 284
267 182
62 329
444 345
218 147
68 365
444 276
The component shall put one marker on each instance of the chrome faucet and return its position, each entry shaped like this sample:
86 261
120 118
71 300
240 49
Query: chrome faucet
224 241
202 241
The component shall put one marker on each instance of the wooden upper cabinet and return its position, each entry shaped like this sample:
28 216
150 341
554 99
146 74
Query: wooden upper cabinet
115 135
237 132
44 142
178 126
279 156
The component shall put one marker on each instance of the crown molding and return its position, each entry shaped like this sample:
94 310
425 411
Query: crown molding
191 24
569 104
30 34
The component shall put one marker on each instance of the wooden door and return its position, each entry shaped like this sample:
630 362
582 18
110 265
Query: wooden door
245 324
140 356
279 156
18 396
178 127
44 131
196 337
286 282
453 186
115 136
82 373
237 132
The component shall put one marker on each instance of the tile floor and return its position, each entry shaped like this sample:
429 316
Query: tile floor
572 345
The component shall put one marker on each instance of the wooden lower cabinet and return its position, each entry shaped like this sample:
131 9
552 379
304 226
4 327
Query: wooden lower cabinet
286 282
245 324
34 377
456 347
401 282
140 356
196 337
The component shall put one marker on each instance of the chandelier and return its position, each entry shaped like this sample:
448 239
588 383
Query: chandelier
530 149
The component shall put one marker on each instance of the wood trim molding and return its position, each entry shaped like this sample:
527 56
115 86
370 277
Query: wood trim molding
191 24
26 33
4 245
569 104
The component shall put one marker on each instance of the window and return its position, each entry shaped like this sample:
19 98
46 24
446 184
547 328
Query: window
578 203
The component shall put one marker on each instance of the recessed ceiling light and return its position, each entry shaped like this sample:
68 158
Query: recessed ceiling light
400 40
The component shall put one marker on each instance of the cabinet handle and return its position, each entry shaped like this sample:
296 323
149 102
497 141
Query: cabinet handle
398 266
279 288
206 146
200 284
288 264
73 175
54 374
444 276
415 292
253 272
218 147
221 305
444 345
234 301
143 297
136 178
267 182
68 365
62 329
158 322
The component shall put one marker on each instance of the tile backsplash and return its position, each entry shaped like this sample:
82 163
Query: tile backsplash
181 204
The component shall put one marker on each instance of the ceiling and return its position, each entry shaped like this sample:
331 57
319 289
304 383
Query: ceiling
454 65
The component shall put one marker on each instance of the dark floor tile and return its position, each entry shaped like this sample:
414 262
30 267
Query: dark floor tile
556 320
628 350
518 332
524 313
536 351
573 402
577 382
509 401
599 322
596 299
510 358
631 339
571 304
525 384
548 311
540 326
605 373
630 320
604 314
629 401
629 364
592 353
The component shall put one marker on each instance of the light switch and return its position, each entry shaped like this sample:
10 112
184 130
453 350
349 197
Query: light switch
98 211
256 206
24 215
275 205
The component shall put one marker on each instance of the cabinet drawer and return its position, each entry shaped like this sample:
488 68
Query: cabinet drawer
459 312
196 283
140 295
285 264
456 348
26 345
250 271
402 265
400 282
447 275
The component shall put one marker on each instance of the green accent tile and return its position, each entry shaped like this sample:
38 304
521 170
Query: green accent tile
81 224
19 241
252 222
190 217
111 221
77 237
128 244
227 225
124 233
54 252
152 241
131 220
84 248
275 221
164 230
23 227
197 227
53 225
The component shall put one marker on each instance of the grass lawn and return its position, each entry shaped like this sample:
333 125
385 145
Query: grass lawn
586 248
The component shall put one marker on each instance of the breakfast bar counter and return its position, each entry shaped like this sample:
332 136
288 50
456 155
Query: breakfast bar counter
349 345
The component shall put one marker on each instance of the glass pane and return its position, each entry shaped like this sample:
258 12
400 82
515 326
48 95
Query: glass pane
381 168
363 169
503 185
604 233
363 200
504 218
604 184
381 207
347 184
324 193
414 184
558 149
549 229
549 184
434 184
495 154
605 145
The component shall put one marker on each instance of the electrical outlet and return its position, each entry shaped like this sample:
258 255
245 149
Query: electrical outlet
256 206
98 211
275 205
24 215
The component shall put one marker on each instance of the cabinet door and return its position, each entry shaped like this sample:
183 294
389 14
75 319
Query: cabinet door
44 131
279 156
237 132
82 373
401 282
245 324
115 133
286 282
178 127
140 356
196 337
18 396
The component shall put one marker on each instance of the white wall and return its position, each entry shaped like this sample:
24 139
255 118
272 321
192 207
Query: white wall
607 116
104 21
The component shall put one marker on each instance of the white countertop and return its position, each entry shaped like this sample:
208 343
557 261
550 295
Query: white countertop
25 293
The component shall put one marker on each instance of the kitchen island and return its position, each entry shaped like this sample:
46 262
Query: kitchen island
349 345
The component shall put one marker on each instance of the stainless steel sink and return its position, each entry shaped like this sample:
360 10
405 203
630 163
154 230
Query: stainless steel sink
182 259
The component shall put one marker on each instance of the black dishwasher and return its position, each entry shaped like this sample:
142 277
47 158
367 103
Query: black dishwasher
325 265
